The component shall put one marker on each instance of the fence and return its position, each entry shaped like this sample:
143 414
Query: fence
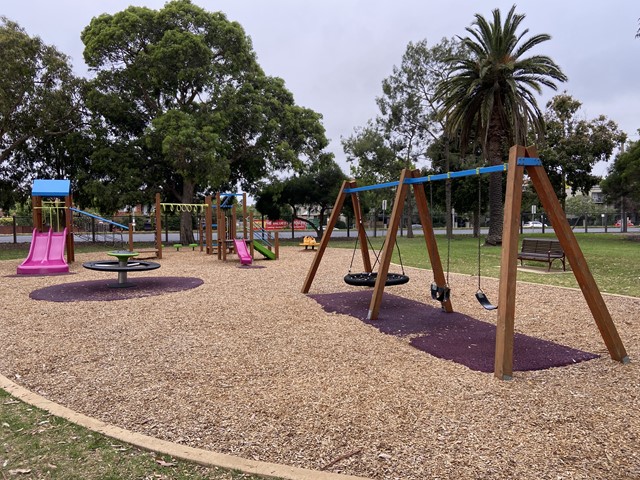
92 230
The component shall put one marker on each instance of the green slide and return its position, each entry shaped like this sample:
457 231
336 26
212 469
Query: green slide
264 250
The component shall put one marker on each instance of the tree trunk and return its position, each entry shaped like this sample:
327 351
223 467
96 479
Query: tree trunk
409 214
447 191
476 225
493 151
186 218
496 213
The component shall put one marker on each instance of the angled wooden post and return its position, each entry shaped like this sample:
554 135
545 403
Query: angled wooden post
430 238
335 214
389 245
503 366
362 234
577 261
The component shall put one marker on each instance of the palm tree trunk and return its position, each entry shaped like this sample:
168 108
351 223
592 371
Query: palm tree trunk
186 218
496 211
494 237
447 190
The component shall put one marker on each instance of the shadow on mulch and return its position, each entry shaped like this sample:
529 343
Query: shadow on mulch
450 336
99 290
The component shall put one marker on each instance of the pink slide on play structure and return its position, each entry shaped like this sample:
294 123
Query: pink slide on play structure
243 252
46 254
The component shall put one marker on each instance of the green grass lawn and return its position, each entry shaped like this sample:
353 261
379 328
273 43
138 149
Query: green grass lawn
35 444
613 259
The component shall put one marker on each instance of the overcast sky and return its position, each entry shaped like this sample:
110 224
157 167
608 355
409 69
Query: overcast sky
334 54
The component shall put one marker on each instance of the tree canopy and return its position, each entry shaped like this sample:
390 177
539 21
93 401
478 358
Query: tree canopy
316 188
40 112
624 176
180 98
573 145
491 94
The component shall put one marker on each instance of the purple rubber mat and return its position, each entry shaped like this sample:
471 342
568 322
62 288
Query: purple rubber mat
450 336
99 290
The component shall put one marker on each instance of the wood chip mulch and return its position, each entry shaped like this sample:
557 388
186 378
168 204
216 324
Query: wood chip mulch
247 365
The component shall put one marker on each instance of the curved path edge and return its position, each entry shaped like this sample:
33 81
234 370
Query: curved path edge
191 454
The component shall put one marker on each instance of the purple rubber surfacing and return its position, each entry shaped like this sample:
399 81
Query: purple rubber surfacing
99 290
450 336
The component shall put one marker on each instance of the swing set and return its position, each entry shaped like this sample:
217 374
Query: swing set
521 159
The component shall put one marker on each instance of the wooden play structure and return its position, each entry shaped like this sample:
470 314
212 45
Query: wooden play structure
56 189
224 227
205 208
521 159
58 211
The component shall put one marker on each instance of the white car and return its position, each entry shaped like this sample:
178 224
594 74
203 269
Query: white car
534 224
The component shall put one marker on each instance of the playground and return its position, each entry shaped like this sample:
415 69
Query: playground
242 362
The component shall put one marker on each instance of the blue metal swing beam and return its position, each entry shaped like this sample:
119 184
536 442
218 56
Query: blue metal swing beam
522 161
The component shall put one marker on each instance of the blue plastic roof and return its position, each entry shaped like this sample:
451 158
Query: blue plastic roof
51 188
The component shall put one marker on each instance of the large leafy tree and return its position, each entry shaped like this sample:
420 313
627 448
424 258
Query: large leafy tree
491 94
40 112
180 99
409 107
622 185
374 159
573 145
400 136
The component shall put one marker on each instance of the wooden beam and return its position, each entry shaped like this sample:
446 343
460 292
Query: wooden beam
208 224
244 215
333 219
429 238
577 261
68 220
503 366
389 245
36 206
251 235
362 234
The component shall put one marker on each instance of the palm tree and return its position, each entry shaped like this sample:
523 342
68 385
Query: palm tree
490 95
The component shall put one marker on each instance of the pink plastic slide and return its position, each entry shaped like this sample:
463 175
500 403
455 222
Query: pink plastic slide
243 251
46 254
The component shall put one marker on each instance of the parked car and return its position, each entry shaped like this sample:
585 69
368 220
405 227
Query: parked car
619 223
534 224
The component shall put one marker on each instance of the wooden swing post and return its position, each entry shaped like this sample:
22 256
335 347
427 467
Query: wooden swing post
508 266
429 237
333 219
389 244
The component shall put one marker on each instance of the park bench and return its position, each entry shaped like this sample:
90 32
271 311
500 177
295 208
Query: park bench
309 242
542 250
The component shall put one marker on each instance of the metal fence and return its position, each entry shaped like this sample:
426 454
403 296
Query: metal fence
93 230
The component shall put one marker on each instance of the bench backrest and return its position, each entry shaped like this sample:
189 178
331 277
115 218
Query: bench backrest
542 245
